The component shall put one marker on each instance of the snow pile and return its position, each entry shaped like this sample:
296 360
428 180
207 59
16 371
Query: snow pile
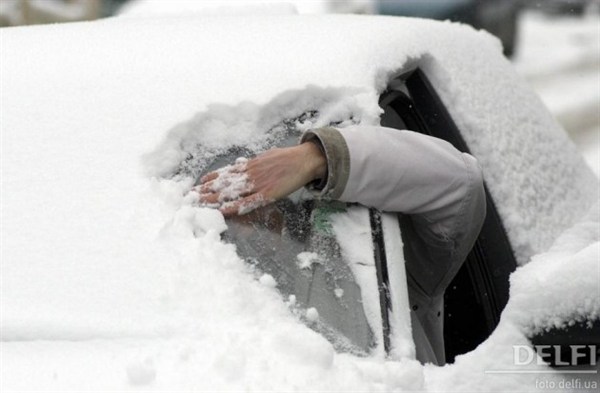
571 267
306 259
105 126
312 314
267 280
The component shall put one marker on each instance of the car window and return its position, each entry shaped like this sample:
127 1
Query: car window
294 242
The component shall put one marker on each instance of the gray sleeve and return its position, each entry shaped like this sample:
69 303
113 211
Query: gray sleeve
411 173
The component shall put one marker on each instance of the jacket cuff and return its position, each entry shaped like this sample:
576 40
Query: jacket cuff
333 144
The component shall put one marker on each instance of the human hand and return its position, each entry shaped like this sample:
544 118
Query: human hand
249 184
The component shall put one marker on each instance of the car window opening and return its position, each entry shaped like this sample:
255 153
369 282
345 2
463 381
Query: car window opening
477 295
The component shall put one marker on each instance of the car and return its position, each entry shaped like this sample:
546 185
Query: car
113 276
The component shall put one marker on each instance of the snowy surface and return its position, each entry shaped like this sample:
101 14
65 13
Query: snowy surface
354 237
113 279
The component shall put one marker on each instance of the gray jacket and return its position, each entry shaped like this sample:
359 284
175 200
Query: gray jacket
439 193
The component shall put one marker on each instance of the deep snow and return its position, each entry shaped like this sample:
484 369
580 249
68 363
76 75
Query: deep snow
112 277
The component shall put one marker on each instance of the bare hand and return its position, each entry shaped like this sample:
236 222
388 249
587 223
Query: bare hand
273 175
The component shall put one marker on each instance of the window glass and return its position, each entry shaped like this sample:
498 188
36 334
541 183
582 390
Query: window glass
294 242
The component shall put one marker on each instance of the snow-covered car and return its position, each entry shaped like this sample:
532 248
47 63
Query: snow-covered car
114 275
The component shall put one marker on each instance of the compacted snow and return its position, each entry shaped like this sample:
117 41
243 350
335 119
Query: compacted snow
113 278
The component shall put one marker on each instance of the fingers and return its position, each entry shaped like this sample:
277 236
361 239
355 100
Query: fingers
209 199
231 181
213 186
244 205
205 188
226 184
209 177
231 190
238 167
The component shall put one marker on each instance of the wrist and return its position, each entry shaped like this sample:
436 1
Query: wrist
314 160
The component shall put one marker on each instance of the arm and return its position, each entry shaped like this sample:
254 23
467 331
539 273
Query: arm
407 172
400 171
439 189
